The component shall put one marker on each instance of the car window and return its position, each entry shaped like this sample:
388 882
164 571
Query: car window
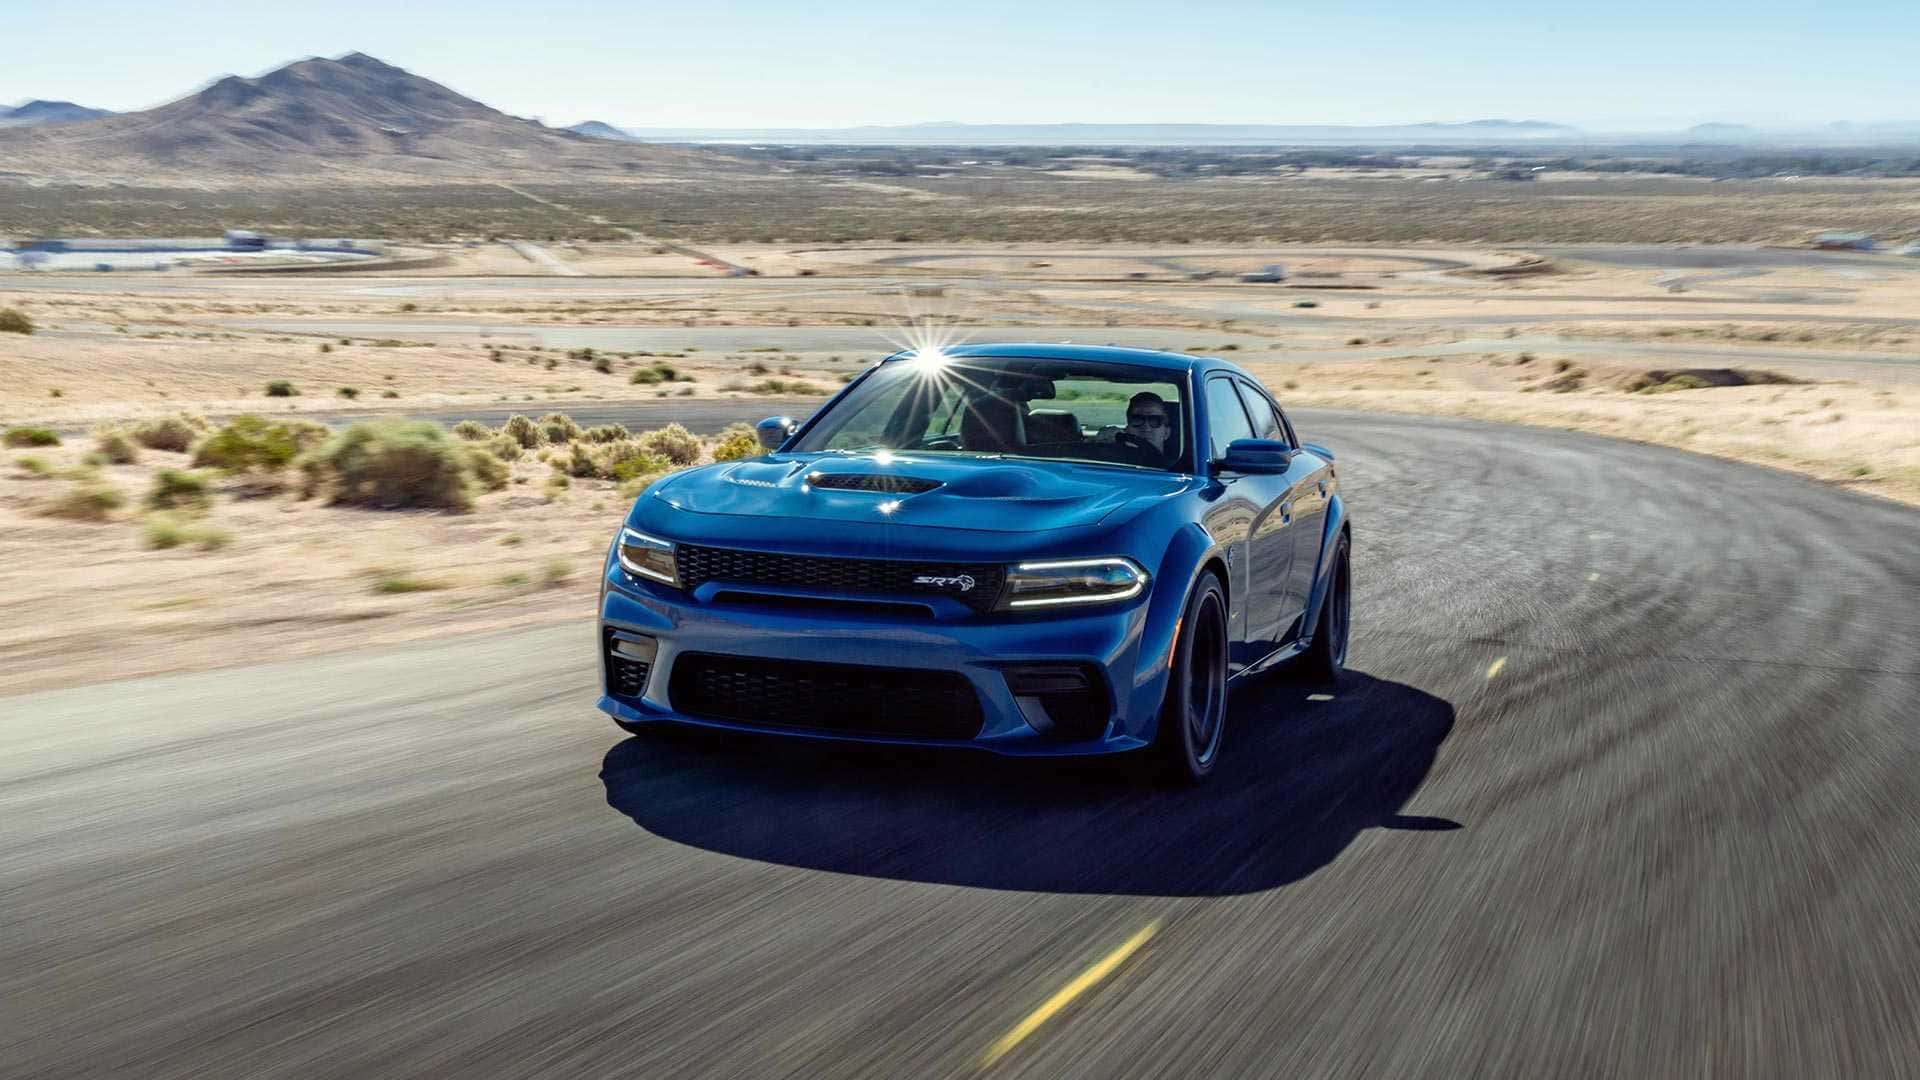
1266 425
897 415
1226 419
1039 407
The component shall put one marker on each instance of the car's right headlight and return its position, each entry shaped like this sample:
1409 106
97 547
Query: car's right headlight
647 557
1072 581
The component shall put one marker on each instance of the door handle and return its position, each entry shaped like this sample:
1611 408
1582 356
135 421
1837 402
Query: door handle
1323 486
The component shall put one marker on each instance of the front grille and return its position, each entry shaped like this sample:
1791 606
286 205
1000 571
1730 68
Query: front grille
891 485
826 697
976 586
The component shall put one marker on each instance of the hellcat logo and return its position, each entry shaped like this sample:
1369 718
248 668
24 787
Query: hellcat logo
964 582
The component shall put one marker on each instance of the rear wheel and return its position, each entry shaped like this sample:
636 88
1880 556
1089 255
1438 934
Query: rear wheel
1327 657
1193 718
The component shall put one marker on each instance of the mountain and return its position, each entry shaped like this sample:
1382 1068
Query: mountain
1471 133
349 119
594 129
47 112
1724 132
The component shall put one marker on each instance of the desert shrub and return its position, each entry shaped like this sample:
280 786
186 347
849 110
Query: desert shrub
472 430
167 531
579 463
34 466
523 431
655 373
492 473
606 433
394 463
348 392
558 427
738 441
115 445
389 393
504 447
177 489
773 386
603 365
282 388
174 434
758 368
1677 382
32 436
253 444
15 321
556 570
325 347
673 442
89 499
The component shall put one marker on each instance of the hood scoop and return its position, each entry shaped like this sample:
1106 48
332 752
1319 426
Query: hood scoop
885 483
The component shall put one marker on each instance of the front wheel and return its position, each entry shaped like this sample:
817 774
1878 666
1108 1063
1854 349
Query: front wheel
1193 719
1326 658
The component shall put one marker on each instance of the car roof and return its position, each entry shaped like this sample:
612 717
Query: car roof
1111 354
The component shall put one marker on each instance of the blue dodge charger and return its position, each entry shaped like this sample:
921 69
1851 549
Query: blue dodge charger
1031 549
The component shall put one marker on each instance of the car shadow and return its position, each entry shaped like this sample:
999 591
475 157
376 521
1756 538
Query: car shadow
1298 781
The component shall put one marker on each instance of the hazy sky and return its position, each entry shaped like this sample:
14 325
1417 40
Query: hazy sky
1607 64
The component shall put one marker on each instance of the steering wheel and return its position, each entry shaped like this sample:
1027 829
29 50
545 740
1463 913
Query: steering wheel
1141 448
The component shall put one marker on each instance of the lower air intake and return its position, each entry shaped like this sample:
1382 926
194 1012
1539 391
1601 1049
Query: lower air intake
826 697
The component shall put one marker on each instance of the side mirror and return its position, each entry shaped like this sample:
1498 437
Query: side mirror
1257 456
774 431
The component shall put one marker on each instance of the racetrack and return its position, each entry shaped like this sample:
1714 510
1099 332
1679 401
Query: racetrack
1625 785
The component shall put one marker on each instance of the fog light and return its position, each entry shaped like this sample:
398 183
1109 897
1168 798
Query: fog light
630 663
1065 701
637 647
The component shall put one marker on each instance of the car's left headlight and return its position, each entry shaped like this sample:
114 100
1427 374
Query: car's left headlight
647 557
1072 581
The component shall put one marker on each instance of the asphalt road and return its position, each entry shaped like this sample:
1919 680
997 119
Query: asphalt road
1625 784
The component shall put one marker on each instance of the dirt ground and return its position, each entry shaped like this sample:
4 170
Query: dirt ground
92 600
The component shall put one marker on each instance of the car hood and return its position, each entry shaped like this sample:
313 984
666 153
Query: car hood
950 492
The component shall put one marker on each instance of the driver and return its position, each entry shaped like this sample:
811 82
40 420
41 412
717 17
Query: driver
1147 420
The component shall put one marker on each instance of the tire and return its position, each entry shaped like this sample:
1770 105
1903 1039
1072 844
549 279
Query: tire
1326 658
1193 718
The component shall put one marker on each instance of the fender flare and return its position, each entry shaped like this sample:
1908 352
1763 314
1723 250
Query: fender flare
1337 523
1188 554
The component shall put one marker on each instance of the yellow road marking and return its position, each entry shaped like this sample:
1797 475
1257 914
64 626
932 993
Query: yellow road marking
1067 993
1494 668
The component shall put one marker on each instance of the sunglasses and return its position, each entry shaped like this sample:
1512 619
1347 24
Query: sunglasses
1147 420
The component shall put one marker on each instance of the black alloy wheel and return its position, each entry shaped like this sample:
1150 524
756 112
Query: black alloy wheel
1194 718
1327 657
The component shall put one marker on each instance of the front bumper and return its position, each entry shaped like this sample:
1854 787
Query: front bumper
1105 642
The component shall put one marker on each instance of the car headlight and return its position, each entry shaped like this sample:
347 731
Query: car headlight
1072 581
646 557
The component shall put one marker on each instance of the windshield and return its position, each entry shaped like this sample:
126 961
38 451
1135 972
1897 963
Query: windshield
1067 410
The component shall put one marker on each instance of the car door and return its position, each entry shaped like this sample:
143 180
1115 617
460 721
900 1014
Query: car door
1301 510
1267 551
1312 496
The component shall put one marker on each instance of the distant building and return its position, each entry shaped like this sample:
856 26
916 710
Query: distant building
1844 241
